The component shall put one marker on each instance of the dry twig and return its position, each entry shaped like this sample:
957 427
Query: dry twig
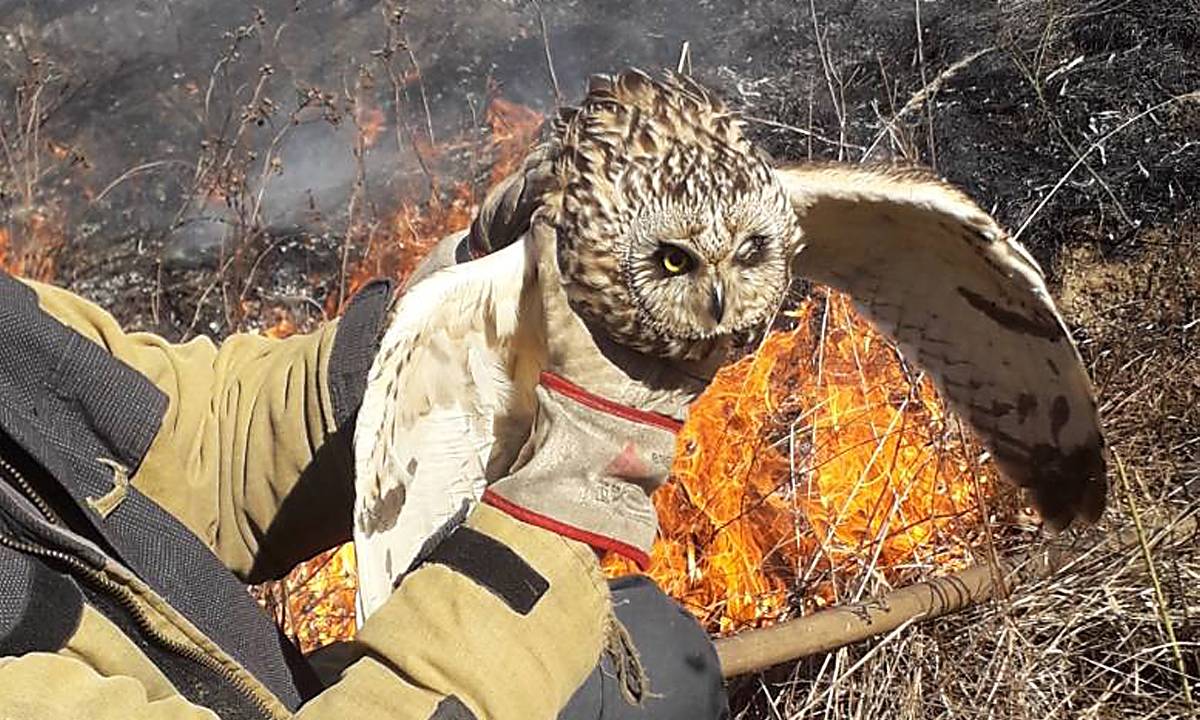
755 650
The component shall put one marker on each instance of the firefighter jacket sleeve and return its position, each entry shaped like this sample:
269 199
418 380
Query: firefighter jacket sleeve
503 619
253 453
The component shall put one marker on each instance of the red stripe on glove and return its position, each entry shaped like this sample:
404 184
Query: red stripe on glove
566 388
599 542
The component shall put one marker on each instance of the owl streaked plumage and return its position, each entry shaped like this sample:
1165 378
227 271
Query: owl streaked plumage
670 235
673 229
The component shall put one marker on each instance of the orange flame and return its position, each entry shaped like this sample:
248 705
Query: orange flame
371 124
282 321
315 602
513 129
807 468
34 255
395 249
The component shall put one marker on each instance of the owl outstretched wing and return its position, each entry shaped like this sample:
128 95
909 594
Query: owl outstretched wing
967 303
425 429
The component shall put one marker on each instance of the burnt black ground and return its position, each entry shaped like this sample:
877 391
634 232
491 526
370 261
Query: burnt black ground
137 85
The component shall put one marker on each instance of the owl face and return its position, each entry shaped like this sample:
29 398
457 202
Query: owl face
673 231
709 260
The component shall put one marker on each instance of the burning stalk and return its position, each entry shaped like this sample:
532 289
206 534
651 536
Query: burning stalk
875 483
755 650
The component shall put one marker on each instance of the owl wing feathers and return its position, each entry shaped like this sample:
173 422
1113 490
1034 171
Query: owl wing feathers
425 429
968 304
506 210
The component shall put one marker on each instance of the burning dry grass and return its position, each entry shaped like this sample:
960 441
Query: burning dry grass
821 470
807 469
813 470
32 259
315 602
807 431
393 249
1114 633
31 167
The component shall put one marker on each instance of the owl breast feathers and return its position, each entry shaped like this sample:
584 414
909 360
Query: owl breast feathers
670 234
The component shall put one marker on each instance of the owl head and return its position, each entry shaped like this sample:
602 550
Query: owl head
673 232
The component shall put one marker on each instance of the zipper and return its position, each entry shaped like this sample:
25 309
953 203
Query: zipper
128 600
18 480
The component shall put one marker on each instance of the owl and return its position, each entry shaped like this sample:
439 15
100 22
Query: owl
647 215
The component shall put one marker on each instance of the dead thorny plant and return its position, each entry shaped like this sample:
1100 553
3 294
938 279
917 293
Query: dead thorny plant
33 165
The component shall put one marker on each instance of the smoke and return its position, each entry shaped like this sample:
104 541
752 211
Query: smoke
196 118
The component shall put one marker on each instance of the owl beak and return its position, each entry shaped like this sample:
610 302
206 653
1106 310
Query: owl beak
716 302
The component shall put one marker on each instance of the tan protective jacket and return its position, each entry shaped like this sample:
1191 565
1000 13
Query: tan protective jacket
248 457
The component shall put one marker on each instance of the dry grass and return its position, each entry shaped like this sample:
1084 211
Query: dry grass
1087 643
1114 634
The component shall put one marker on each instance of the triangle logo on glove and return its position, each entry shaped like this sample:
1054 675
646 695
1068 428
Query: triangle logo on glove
629 464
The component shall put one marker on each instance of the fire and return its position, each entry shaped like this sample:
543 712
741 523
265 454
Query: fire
513 129
805 469
809 468
5 262
283 323
31 252
315 602
371 123
395 249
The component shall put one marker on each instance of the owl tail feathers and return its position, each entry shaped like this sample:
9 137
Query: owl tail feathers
588 469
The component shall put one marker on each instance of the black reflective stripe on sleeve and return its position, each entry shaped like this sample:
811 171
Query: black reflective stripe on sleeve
452 709
354 347
492 565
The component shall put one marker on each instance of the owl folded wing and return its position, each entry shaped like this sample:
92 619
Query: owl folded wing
425 429
968 304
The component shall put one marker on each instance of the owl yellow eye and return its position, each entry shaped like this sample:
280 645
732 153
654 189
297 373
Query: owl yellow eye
674 260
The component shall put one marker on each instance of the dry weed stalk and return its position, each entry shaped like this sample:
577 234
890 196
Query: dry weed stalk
33 166
891 613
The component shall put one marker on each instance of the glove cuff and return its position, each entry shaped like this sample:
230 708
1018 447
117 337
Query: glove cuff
588 470
595 540
570 390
